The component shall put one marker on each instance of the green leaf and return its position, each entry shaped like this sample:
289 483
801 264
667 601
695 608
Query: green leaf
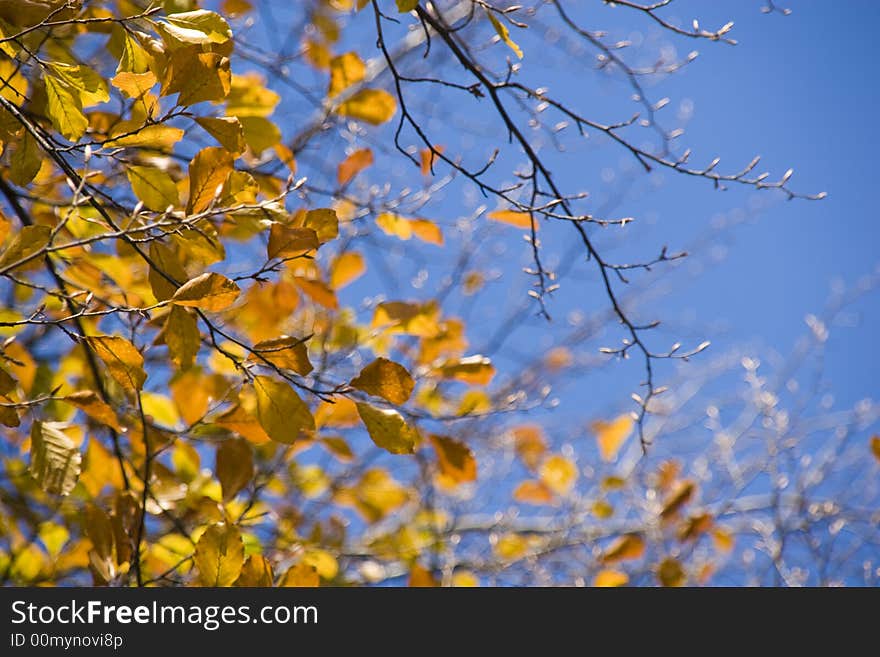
154 187
55 458
219 555
388 429
282 414
386 379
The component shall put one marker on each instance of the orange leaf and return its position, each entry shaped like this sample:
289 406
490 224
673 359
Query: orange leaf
612 435
628 546
353 165
518 219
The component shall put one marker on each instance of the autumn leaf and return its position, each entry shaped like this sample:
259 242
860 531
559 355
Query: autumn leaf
256 571
235 466
386 379
670 573
182 337
285 352
610 578
388 429
475 370
64 107
354 164
227 130
611 435
92 405
281 412
504 33
404 6
55 458
29 241
207 173
346 268
154 187
209 291
375 106
514 218
345 70
875 446
290 242
559 474
456 460
124 362
219 555
628 546
533 492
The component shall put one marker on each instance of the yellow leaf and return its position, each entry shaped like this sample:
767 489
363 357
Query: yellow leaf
158 137
410 318
235 466
154 187
123 360
280 410
285 352
475 370
428 158
166 261
65 109
518 219
29 242
133 58
346 268
345 70
318 291
533 492
456 460
248 96
300 575
875 446
55 458
209 291
354 164
82 81
341 413
324 222
723 540
219 555
196 27
421 578
375 106
427 231
226 130
256 571
134 85
376 494
404 6
197 77
92 405
529 443
559 474
680 496
504 33
260 133
628 546
160 409
670 573
465 579
182 337
25 160
511 547
241 421
290 242
323 562
610 578
611 435
207 173
386 379
388 429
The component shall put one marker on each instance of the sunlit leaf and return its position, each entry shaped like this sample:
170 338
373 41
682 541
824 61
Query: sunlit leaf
207 173
475 370
504 33
91 404
388 429
285 352
533 492
281 412
559 474
354 164
628 546
154 187
610 578
514 218
386 379
227 130
375 106
235 466
345 70
182 337
124 362
610 436
55 458
219 555
346 268
30 240
256 571
209 291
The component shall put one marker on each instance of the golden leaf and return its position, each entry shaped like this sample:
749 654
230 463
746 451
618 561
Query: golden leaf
345 70
285 352
123 360
235 466
346 268
227 130
456 460
628 546
280 411
207 173
504 33
559 474
610 578
375 106
388 429
219 555
209 291
670 573
611 435
475 370
92 405
354 164
518 219
55 458
386 379
256 571
533 492
154 187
